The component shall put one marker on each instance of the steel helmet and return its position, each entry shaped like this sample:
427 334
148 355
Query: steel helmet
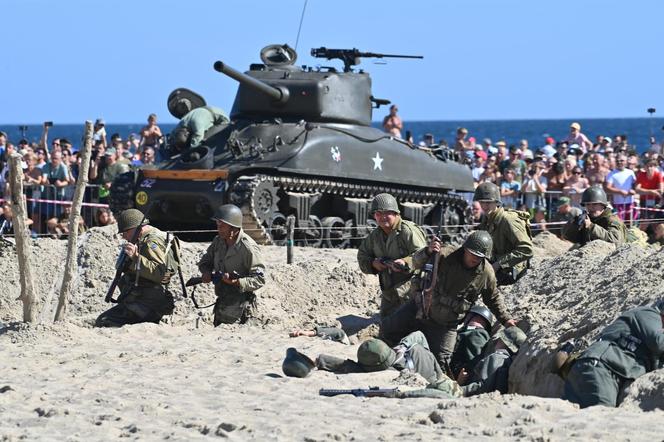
482 311
487 192
130 218
384 202
594 194
375 355
230 214
296 364
479 243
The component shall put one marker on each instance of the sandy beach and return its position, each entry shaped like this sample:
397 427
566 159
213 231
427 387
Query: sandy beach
185 380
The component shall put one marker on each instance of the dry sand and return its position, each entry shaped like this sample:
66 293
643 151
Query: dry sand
177 381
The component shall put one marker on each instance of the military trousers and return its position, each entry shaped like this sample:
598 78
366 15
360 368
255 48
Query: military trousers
127 313
590 382
440 337
234 308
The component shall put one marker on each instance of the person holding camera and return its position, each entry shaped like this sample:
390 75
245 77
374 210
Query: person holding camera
596 222
534 187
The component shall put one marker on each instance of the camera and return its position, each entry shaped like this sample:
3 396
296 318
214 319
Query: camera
531 172
94 154
48 124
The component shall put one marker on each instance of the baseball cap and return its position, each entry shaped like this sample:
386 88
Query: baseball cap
110 151
607 140
563 200
501 143
575 125
549 140
100 122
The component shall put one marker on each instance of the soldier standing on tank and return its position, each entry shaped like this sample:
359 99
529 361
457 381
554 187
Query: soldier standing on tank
143 297
628 348
510 232
471 338
233 262
395 239
463 277
598 222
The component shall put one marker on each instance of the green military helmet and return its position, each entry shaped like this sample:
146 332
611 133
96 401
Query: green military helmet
488 192
482 311
375 355
384 202
594 194
479 243
230 214
296 364
130 218
513 337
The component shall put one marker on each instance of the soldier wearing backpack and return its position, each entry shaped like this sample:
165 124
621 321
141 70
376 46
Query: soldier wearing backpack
510 231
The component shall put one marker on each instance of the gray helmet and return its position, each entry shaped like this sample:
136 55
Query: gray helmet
487 192
482 311
512 337
230 214
384 202
296 364
594 194
479 243
130 218
375 355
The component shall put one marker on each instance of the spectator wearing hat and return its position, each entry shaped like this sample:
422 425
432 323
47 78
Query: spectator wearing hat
99 133
392 123
575 185
548 148
151 134
564 212
620 183
576 137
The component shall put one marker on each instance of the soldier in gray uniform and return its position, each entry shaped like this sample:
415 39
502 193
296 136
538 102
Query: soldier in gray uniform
395 239
150 264
471 338
628 348
412 354
233 262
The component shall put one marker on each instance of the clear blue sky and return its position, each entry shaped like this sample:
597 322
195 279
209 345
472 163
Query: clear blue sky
73 60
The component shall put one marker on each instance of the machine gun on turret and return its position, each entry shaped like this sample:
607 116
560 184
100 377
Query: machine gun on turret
351 57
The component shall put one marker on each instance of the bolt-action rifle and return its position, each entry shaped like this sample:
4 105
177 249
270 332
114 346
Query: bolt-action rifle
388 262
361 392
216 278
429 278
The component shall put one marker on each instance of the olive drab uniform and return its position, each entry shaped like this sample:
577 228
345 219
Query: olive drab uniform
403 241
234 303
606 227
456 291
470 342
145 299
512 242
628 348
412 354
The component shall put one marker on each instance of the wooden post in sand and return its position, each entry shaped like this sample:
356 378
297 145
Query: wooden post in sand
23 246
290 226
74 217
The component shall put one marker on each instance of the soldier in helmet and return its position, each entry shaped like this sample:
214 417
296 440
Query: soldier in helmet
628 348
471 338
143 297
386 252
598 222
510 231
463 277
233 262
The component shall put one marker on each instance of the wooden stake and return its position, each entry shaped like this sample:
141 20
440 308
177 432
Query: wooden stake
74 219
290 225
23 245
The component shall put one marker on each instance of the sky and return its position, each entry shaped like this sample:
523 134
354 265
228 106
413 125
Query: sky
76 60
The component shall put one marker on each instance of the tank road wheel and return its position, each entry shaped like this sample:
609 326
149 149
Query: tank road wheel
452 220
311 234
336 233
122 193
265 200
277 229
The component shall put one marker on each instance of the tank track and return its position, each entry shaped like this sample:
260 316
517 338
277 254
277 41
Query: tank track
243 193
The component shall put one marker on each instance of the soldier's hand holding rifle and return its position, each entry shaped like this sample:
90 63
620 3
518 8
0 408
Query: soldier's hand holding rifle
130 249
226 278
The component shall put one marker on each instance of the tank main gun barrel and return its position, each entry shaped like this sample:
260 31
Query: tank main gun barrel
351 57
277 93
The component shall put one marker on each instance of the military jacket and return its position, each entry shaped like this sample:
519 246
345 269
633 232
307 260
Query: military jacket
200 120
606 227
632 345
470 342
490 374
458 288
243 257
512 240
402 242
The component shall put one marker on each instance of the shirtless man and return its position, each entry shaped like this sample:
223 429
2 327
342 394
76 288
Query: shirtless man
392 123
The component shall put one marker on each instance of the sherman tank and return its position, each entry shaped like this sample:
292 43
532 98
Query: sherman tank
300 144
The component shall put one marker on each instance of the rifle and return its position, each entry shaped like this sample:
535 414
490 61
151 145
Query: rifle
216 278
429 279
361 392
581 219
121 264
389 262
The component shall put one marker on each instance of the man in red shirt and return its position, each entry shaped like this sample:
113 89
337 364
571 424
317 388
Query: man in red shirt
650 186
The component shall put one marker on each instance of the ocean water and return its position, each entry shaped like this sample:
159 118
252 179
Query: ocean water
638 130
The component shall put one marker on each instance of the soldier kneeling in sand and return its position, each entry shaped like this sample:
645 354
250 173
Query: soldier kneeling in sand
598 222
233 262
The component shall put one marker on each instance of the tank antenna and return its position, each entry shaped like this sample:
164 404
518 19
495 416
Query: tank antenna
297 39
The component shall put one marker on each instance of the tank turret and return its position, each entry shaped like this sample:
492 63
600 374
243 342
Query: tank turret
300 143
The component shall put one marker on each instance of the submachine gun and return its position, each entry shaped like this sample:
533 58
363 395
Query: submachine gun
351 57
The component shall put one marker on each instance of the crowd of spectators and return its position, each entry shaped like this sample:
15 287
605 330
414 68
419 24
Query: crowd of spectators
51 169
